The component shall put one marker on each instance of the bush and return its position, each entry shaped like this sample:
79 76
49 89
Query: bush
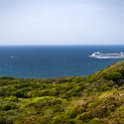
7 78
115 76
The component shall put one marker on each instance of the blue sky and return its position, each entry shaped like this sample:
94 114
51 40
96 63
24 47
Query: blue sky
61 22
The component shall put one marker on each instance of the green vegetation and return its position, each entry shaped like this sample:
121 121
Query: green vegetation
95 99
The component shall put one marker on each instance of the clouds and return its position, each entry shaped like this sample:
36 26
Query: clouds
63 22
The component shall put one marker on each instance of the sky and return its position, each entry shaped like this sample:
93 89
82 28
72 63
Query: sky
61 22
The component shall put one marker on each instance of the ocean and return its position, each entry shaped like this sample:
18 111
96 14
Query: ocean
52 61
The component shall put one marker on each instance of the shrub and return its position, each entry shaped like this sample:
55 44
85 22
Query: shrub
115 76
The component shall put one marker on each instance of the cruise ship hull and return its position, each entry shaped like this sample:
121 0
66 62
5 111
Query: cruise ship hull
98 55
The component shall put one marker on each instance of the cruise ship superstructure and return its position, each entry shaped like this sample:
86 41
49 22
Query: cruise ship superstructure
99 55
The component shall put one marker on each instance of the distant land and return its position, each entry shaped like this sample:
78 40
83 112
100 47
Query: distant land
93 99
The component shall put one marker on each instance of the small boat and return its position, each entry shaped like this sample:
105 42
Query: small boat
99 55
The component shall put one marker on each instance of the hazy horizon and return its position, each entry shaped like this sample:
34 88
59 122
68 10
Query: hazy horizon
62 44
63 22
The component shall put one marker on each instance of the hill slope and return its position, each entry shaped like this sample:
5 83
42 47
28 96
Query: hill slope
95 99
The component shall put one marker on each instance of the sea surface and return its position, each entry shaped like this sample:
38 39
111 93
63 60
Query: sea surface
52 61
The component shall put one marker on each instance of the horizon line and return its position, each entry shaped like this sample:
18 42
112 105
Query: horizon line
61 45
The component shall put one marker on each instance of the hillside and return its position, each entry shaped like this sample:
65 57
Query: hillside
95 99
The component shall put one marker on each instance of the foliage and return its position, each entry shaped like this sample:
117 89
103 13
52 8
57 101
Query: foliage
95 99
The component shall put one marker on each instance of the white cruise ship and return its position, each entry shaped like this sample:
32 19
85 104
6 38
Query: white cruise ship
99 55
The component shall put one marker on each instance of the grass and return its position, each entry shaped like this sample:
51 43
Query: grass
95 99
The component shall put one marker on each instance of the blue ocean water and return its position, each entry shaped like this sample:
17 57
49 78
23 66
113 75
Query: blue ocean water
52 61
